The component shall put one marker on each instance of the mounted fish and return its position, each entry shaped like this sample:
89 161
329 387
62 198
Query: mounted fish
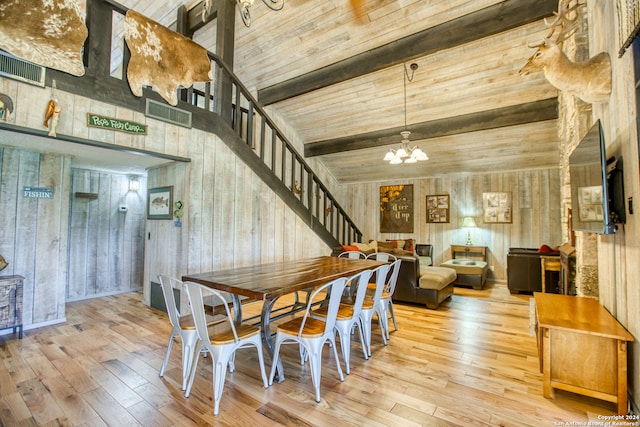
50 33
589 80
51 116
162 58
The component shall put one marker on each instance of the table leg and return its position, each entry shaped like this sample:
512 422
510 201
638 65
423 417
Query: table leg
547 390
267 340
622 377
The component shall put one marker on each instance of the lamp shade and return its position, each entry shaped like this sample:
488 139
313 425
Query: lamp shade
469 222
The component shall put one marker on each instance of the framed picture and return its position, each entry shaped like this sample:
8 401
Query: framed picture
497 208
159 203
396 209
438 208
590 204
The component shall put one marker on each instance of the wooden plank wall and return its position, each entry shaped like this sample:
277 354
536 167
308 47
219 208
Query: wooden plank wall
536 212
231 218
34 232
106 246
618 254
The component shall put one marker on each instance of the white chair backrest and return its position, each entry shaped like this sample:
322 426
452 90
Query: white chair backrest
360 281
335 289
393 279
353 255
197 294
382 257
381 280
168 284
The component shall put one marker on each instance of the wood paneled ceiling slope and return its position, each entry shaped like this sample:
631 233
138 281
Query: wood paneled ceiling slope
337 81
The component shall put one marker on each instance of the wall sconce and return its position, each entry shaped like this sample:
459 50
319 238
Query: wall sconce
469 222
134 183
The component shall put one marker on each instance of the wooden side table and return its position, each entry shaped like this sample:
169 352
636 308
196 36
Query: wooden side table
548 263
11 303
582 348
478 251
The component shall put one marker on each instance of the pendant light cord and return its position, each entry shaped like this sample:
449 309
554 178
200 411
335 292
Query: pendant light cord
413 67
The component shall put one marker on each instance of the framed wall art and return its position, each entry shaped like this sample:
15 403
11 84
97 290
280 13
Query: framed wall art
159 203
438 208
396 209
497 208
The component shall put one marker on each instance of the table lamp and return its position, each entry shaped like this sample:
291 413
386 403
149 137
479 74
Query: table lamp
468 222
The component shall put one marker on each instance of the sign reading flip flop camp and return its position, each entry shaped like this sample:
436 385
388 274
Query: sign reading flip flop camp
96 121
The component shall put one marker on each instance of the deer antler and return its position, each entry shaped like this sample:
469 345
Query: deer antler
567 26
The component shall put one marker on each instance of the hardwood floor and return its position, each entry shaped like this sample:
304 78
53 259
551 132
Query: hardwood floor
473 362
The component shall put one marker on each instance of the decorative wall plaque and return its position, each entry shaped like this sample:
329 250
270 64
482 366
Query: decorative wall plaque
396 209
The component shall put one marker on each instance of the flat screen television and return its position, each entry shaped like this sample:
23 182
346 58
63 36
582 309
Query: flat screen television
590 188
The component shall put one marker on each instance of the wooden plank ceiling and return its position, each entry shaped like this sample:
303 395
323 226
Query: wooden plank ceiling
467 107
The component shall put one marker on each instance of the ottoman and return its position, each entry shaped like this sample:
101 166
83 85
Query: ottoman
436 284
470 272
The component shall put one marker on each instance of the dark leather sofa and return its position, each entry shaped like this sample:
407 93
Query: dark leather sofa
524 270
407 286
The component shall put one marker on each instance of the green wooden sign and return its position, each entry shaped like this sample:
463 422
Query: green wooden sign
94 120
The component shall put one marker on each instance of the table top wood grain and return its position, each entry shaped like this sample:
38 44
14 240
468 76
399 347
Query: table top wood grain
581 314
268 281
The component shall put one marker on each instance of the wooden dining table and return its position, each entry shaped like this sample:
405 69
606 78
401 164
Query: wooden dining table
268 282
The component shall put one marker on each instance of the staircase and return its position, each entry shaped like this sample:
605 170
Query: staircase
254 137
223 106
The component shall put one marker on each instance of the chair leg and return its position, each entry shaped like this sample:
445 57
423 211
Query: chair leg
188 354
274 365
362 342
194 368
219 375
315 364
366 324
166 357
263 372
335 355
345 343
393 315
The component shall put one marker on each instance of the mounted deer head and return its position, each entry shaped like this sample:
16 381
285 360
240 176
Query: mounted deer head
589 80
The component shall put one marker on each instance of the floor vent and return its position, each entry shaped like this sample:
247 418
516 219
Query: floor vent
167 113
19 69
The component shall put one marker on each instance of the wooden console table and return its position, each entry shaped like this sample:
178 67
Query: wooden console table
469 250
11 303
582 348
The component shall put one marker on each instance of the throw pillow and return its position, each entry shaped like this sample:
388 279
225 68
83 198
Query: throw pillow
362 247
349 248
408 245
385 245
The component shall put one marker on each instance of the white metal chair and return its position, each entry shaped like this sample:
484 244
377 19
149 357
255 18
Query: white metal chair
371 306
382 257
221 340
311 334
386 302
353 255
182 325
348 316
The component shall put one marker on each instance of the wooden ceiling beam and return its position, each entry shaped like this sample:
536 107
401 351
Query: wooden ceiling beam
546 109
492 20
190 21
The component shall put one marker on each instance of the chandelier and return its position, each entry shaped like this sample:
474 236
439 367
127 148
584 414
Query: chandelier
243 7
406 153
